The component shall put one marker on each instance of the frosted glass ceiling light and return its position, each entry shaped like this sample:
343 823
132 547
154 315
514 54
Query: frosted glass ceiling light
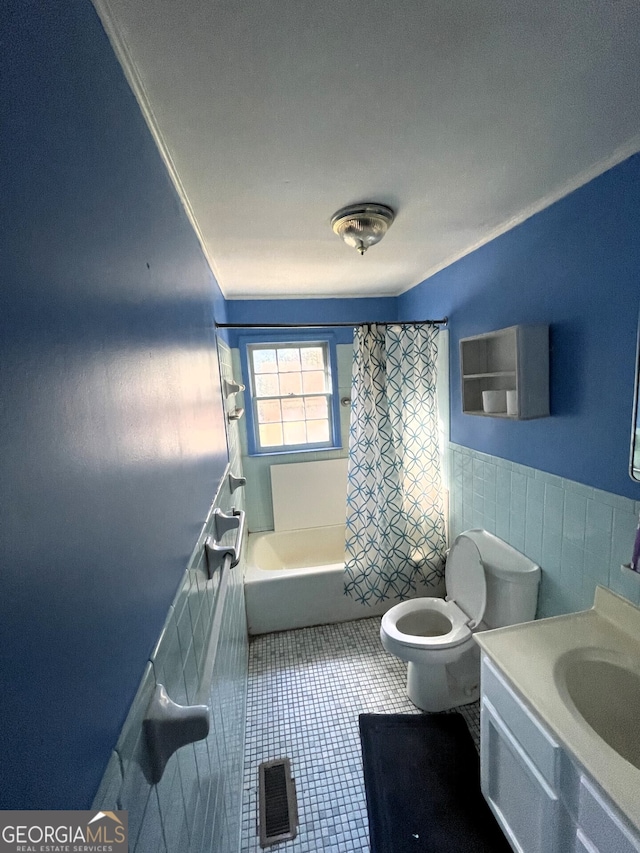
362 225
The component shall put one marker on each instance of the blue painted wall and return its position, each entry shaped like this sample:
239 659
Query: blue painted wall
112 436
381 308
576 266
111 430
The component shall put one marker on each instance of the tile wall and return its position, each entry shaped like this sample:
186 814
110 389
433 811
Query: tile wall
579 535
196 807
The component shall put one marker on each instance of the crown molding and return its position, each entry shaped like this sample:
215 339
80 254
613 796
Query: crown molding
632 146
132 74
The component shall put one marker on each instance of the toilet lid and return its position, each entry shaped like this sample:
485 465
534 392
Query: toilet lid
465 579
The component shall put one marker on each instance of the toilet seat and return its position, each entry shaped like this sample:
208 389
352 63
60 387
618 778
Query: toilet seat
458 634
463 607
465 579
434 636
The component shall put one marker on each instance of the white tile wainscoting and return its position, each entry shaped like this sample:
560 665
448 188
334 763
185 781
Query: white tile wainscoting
580 536
196 806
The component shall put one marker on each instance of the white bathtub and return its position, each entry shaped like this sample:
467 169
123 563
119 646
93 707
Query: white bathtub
295 578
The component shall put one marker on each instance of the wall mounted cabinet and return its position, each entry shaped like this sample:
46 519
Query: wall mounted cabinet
515 359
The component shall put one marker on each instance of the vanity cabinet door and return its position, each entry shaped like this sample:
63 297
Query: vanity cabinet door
542 750
601 828
526 808
584 845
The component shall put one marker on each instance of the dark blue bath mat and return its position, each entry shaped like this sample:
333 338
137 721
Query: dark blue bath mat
422 780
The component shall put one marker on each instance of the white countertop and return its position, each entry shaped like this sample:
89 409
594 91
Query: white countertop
528 655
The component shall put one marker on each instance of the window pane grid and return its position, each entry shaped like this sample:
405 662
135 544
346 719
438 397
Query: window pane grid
291 395
283 408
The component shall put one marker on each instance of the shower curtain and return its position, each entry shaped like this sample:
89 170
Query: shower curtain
395 532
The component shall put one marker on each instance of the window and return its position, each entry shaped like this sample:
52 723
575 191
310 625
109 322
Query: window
293 396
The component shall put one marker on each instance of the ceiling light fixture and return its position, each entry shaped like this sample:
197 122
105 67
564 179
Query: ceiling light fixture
362 225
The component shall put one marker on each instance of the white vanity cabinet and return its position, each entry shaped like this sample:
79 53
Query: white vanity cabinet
541 797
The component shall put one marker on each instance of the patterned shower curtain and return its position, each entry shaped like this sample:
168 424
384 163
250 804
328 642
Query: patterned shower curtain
395 523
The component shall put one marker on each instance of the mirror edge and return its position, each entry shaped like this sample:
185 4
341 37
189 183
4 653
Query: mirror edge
634 471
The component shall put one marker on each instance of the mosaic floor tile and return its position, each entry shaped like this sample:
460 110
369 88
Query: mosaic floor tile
306 690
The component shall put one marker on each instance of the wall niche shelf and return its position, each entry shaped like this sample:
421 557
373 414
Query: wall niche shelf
512 359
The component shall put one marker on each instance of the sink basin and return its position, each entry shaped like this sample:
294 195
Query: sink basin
604 689
580 674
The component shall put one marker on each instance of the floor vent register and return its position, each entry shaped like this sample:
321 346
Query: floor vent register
278 810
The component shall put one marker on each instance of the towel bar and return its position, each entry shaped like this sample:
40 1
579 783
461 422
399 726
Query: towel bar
168 726
214 551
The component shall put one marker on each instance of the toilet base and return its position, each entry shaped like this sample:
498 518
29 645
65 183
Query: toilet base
435 688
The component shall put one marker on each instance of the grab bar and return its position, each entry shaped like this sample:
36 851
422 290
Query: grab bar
214 551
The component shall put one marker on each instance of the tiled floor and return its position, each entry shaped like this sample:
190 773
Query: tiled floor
306 689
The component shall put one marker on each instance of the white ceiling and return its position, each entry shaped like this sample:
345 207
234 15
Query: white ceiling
465 116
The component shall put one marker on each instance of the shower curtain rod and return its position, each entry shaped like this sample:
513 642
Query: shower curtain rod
442 322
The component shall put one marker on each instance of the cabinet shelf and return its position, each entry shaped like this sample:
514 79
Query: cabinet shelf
489 375
493 415
511 359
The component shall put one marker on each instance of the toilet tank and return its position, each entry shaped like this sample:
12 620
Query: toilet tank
512 581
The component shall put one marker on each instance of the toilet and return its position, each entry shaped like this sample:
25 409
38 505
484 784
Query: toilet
489 585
